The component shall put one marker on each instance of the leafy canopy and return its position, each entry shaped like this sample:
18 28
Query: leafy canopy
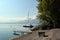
49 10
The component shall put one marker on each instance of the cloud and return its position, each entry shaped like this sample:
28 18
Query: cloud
5 19
33 17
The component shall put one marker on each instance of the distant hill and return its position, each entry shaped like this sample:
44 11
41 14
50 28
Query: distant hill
32 21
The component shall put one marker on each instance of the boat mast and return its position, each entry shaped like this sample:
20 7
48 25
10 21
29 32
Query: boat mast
28 17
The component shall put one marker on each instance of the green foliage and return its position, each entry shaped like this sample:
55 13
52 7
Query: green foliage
38 27
49 10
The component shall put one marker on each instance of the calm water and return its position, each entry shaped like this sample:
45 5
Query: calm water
6 30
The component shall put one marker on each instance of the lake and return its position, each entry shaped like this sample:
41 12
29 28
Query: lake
6 30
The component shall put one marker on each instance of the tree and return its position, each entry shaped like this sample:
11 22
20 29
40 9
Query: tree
49 10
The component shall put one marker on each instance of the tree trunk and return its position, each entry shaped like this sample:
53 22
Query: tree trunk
54 24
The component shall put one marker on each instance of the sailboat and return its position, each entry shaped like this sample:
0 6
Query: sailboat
28 25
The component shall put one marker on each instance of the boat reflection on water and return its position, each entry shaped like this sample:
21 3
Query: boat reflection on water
15 33
21 32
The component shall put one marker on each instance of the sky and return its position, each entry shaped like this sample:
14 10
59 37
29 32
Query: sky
17 10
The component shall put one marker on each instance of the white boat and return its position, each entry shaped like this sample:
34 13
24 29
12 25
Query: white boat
28 25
